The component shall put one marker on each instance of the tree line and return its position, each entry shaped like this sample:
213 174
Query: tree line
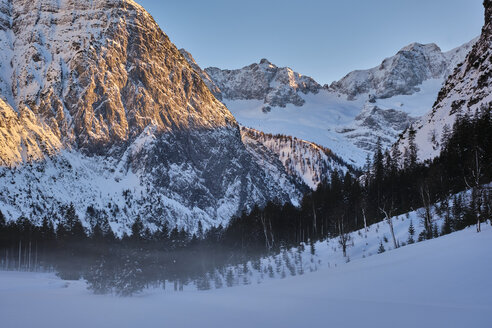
392 183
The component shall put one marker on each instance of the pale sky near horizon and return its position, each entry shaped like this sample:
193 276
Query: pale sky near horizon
324 39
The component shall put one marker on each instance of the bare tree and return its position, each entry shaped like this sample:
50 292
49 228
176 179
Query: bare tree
314 219
366 229
269 240
388 213
426 213
474 184
343 238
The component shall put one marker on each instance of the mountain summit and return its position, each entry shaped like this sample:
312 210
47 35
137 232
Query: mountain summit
98 73
403 73
101 110
263 81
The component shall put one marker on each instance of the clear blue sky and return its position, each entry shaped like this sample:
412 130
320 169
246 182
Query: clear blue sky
324 39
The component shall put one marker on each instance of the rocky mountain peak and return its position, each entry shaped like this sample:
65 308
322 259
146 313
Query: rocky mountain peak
276 86
267 63
99 72
403 73
205 77
416 46
488 12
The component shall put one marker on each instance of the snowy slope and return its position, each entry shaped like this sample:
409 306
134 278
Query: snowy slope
443 282
351 114
342 125
466 91
153 180
309 162
308 258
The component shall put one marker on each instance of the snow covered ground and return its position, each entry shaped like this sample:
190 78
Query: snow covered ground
443 282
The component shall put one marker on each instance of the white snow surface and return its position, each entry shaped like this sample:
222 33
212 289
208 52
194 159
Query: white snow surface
443 282
329 119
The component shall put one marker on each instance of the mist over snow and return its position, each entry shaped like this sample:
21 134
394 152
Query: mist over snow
441 282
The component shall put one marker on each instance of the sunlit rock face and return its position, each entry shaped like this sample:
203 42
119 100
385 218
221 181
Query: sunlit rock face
99 72
466 91
23 137
99 108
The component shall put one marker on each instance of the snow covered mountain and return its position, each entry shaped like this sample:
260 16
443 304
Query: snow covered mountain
403 73
264 81
99 108
466 91
349 115
309 162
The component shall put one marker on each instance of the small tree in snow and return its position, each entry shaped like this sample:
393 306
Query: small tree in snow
381 248
411 233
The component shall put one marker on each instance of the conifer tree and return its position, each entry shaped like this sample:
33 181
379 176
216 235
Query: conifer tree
447 226
137 229
3 221
411 153
411 233
200 230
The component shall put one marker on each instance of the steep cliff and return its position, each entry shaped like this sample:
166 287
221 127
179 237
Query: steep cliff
101 110
466 91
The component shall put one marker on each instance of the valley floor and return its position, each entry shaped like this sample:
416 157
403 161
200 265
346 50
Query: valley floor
444 282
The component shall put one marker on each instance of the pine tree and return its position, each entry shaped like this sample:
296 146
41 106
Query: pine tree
447 226
435 231
97 234
446 135
458 212
411 153
396 156
411 233
137 229
174 237
3 221
200 230
70 218
378 162
162 235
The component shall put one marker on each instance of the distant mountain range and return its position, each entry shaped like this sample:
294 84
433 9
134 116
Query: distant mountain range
347 116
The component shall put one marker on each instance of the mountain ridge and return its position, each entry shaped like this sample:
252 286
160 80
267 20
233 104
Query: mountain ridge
402 73
466 91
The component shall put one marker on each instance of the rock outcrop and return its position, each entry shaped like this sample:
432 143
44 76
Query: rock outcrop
466 91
